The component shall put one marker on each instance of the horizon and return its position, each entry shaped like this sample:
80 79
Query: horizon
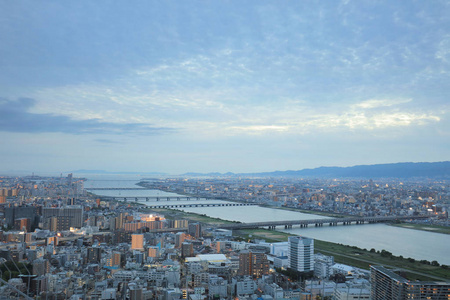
107 172
224 86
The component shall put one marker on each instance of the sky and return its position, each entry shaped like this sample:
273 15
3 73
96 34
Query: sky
222 86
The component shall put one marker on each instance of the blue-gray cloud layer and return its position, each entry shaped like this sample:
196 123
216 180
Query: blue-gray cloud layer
15 117
254 84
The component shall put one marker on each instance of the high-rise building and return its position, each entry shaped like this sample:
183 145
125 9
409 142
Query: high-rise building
386 284
41 267
136 293
187 249
137 242
138 256
94 255
195 230
117 259
179 239
19 212
122 236
322 265
119 221
177 223
153 252
23 224
70 216
253 263
301 254
135 226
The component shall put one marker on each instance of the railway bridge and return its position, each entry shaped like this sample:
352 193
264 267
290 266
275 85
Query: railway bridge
154 198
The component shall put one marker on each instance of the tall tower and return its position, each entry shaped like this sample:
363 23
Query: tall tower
301 254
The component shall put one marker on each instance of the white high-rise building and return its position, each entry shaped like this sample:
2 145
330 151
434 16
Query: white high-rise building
301 253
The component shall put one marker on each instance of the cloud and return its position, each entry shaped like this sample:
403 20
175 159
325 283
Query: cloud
16 118
259 129
375 103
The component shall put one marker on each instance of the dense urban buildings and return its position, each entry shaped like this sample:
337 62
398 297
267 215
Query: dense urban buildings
59 241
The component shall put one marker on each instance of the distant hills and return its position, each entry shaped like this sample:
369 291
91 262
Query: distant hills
395 170
436 170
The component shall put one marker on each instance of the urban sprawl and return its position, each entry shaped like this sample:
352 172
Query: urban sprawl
59 240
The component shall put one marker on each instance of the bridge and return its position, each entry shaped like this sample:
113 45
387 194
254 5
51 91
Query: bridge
199 205
116 189
319 222
153 198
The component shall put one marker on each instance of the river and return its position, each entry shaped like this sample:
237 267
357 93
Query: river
400 241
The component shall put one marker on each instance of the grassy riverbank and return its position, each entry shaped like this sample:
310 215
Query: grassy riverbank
270 236
429 228
179 214
361 258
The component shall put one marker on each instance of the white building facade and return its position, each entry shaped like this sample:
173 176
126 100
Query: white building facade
301 254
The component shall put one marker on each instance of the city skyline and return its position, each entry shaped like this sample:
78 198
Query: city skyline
223 86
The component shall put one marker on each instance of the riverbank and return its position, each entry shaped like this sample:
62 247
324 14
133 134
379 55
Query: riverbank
354 256
179 214
423 227
312 212
360 258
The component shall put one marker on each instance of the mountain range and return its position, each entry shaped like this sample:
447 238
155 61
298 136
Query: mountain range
436 170
394 170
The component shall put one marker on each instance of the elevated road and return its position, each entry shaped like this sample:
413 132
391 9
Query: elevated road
319 222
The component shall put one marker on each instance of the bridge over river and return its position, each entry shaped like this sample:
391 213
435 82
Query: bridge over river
172 204
117 189
199 205
320 222
154 198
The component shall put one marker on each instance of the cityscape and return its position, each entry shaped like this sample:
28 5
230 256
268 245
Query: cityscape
73 237
225 150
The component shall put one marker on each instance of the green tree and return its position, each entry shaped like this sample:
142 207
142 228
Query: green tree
435 263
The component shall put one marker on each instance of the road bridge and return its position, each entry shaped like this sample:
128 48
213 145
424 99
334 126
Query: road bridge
117 189
199 205
320 222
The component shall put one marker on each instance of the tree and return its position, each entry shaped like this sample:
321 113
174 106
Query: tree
385 253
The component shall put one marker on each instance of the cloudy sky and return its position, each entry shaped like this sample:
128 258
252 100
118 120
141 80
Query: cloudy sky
240 86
